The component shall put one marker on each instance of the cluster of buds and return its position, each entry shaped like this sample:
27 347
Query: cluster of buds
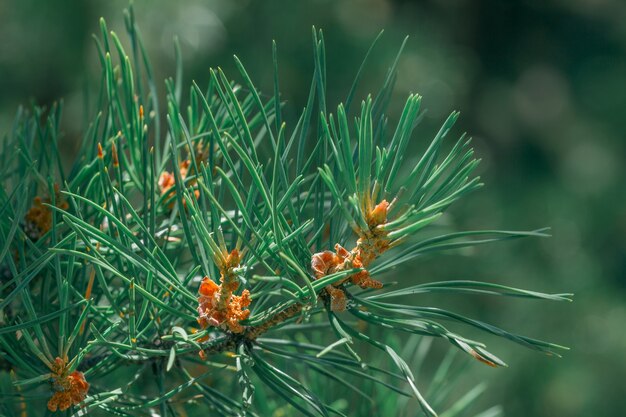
371 243
167 180
38 219
69 388
217 305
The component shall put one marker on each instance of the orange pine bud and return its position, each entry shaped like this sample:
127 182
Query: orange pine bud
116 161
233 259
378 215
236 313
218 307
69 389
166 181
184 168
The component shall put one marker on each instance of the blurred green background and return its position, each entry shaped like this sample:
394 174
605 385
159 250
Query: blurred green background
541 86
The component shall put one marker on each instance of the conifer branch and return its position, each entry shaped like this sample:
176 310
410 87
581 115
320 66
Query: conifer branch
210 234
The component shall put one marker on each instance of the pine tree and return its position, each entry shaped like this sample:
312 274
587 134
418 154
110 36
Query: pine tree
213 257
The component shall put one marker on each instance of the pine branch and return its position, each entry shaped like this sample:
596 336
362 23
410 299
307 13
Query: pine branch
212 232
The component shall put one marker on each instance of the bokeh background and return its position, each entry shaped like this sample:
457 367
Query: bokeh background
541 86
